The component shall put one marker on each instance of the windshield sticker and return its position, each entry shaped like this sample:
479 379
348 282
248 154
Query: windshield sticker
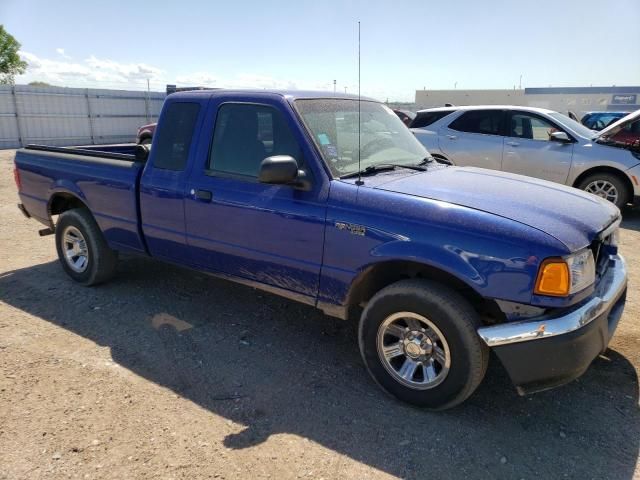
323 138
330 150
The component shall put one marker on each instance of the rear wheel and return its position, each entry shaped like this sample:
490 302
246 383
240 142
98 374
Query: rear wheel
146 141
82 249
608 186
419 342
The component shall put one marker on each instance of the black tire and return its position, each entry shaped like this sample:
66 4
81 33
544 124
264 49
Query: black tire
101 261
457 321
146 141
624 195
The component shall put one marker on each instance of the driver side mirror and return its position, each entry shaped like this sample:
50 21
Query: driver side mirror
561 137
283 170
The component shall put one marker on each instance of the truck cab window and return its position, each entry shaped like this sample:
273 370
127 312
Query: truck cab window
174 136
246 134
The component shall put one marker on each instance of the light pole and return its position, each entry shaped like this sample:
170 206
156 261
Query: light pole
334 86
520 85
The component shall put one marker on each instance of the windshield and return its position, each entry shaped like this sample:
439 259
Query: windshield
384 139
573 125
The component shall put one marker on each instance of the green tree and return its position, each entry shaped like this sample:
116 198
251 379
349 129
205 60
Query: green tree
10 62
40 84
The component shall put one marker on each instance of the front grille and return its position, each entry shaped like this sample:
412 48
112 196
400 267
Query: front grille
602 247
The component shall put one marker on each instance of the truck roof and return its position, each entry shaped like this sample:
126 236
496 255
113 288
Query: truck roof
288 94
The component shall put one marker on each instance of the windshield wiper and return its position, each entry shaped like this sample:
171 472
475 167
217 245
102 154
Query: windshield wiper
426 160
382 167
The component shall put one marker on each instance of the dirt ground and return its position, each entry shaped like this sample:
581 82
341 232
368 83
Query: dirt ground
166 373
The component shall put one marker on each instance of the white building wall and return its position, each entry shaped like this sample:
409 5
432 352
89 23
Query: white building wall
576 99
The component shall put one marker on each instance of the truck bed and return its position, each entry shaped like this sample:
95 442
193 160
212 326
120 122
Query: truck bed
105 178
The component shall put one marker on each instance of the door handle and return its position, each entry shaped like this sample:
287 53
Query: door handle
204 195
452 137
513 144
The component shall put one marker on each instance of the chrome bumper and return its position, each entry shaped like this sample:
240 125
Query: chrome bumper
609 290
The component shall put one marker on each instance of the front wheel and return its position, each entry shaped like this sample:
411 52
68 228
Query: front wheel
419 342
608 186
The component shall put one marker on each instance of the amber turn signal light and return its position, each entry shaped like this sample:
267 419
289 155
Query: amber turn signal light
553 278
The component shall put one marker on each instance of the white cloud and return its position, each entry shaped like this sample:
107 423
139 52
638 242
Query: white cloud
90 72
106 73
60 51
127 71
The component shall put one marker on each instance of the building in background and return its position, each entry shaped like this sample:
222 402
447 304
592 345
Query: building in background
578 100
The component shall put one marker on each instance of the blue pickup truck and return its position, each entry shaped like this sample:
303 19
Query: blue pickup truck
329 200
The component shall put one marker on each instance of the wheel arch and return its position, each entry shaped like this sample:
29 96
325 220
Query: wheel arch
63 200
379 275
606 169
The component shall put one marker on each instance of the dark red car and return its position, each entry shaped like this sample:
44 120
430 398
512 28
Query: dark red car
145 134
625 132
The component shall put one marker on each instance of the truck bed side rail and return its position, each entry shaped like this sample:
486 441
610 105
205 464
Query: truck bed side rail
84 152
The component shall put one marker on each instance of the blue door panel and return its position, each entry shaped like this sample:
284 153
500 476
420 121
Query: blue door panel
259 232
162 186
268 234
162 213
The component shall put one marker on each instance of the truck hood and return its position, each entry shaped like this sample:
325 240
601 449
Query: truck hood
570 215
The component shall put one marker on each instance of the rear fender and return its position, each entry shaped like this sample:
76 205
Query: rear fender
68 187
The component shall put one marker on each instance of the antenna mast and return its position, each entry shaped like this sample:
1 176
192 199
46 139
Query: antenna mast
359 182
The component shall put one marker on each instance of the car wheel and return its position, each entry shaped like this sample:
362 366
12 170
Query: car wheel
146 141
419 342
608 186
82 249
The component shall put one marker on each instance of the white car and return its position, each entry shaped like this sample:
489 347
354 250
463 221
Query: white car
536 142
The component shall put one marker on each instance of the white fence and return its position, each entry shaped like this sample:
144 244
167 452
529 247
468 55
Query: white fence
73 116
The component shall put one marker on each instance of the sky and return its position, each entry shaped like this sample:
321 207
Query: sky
406 45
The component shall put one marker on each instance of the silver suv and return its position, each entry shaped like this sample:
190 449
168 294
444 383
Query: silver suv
536 142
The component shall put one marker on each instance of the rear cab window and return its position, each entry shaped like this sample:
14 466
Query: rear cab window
174 136
486 122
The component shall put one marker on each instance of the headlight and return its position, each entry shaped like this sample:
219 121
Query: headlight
560 277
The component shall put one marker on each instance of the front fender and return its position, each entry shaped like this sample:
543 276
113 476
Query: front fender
446 258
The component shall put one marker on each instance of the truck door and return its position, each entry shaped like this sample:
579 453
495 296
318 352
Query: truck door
163 182
529 150
268 234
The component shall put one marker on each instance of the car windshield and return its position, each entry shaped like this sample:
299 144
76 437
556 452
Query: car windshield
384 139
573 125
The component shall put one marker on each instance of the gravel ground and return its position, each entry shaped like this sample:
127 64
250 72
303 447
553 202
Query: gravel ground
166 373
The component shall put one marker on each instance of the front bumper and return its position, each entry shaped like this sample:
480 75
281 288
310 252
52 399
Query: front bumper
549 351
